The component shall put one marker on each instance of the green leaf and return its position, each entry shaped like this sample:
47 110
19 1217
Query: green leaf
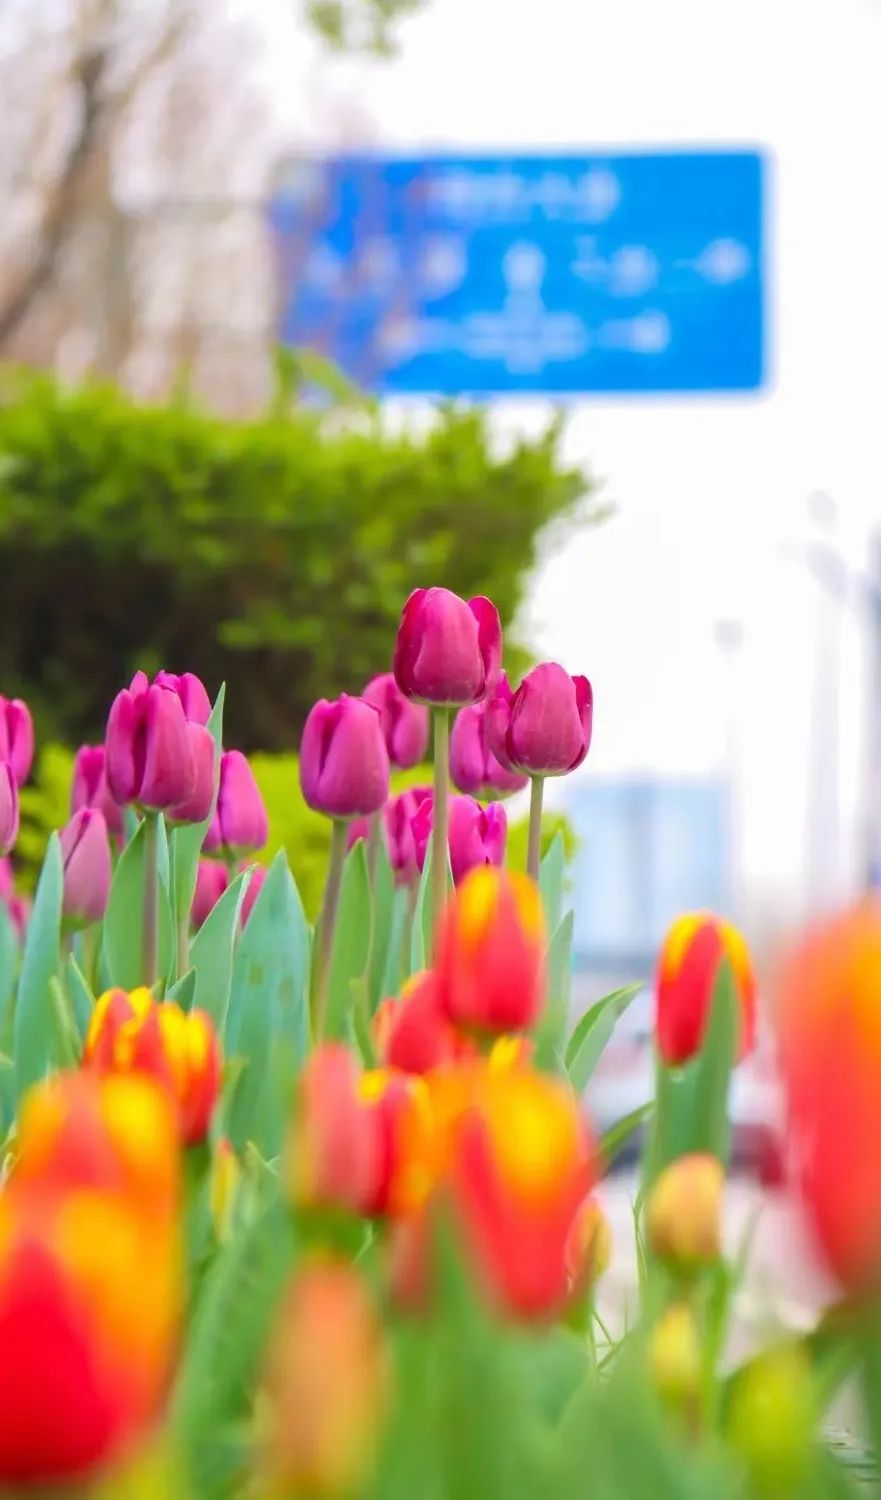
551 1029
617 1136
585 1045
397 943
33 1030
551 879
123 921
212 949
351 944
422 930
183 992
67 1047
186 842
82 1001
712 1069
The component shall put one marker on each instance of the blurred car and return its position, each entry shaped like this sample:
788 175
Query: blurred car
623 1081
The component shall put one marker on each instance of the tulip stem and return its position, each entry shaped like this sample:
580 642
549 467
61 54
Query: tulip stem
150 925
440 821
329 911
533 857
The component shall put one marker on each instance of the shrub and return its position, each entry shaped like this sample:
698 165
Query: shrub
272 554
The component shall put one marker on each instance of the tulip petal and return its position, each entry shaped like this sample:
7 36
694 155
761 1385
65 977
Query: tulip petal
546 734
489 638
169 769
406 649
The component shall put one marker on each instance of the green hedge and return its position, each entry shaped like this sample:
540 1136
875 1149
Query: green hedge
273 554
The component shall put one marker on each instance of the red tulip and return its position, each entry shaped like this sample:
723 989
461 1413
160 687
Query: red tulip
490 954
687 971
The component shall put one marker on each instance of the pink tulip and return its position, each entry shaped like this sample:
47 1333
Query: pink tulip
404 724
447 651
398 818
8 807
344 765
16 737
477 834
255 886
473 766
211 882
192 694
90 787
85 852
545 727
155 755
240 822
358 829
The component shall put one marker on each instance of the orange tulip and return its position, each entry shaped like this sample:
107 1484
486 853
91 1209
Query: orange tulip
688 967
132 1032
829 1013
490 955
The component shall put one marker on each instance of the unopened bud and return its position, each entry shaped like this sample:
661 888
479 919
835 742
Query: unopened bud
772 1417
675 1355
685 1212
589 1249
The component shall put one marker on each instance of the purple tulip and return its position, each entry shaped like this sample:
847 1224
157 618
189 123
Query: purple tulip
16 737
240 822
8 807
473 766
477 834
344 765
404 724
545 727
154 755
192 694
398 818
255 886
447 651
85 851
212 880
90 787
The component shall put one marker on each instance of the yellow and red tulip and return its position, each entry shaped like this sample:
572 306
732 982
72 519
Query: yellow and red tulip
688 967
490 957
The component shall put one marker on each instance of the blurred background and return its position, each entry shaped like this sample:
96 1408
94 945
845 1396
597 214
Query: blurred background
574 304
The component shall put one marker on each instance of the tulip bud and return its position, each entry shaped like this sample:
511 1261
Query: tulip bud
196 807
473 766
477 834
326 1385
684 1218
16 737
255 886
240 824
154 755
344 766
418 1035
225 1176
404 724
674 1354
688 968
85 852
398 817
772 1415
212 880
397 1109
333 1158
90 787
589 1247
447 651
8 808
545 727
18 907
490 954
192 694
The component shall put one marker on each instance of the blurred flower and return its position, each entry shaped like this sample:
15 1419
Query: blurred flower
90 787
212 879
398 818
16 737
684 1215
344 766
490 953
675 1356
225 1177
688 968
85 852
255 886
17 906
830 1055
447 651
589 1247
395 1106
404 724
772 1413
240 823
180 1049
8 808
155 755
477 834
326 1384
333 1158
545 727
473 766
358 829
415 1034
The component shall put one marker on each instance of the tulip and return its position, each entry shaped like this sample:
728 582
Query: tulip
358 831
447 652
398 817
490 954
8 808
255 886
473 766
212 880
196 807
396 1110
545 727
192 694
675 1356
85 853
133 1033
18 907
344 765
150 752
589 1247
828 1017
684 1219
240 823
326 1385
334 1151
90 787
404 724
477 834
418 1036
688 968
16 737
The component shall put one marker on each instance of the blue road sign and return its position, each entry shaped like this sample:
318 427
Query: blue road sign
534 273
